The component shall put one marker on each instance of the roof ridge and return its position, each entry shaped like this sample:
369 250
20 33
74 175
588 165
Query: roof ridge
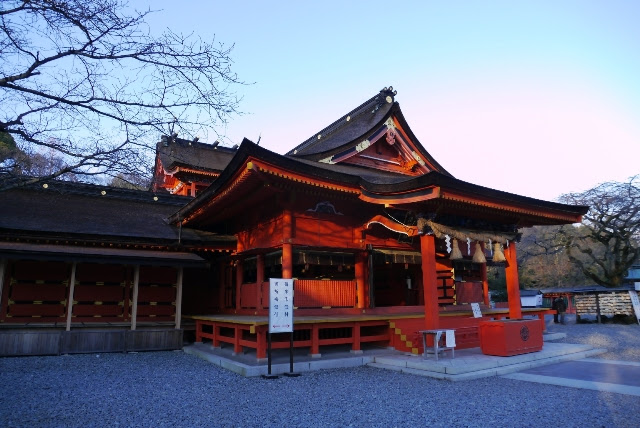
356 112
101 190
215 146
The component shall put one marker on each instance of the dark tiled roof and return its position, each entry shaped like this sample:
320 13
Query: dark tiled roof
370 175
97 254
82 211
350 175
349 127
174 152
586 289
357 125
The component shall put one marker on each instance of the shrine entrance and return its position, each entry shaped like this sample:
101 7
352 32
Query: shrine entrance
396 278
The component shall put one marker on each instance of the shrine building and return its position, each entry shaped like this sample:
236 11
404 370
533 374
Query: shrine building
379 239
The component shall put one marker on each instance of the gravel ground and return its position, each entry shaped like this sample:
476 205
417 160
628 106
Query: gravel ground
158 389
621 341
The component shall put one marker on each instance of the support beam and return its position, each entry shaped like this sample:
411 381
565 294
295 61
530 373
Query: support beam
222 283
259 280
3 266
485 284
72 287
430 282
239 281
370 285
287 261
360 279
513 284
287 247
134 307
179 297
4 296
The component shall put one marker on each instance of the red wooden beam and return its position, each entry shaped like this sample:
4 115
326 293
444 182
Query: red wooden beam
429 281
513 284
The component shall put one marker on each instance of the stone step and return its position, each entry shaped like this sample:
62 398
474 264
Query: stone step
550 337
479 366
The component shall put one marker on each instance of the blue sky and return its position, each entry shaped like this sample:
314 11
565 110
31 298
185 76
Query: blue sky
536 98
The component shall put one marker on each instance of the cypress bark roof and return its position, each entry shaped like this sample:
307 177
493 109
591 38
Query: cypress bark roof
76 211
351 126
176 152
358 125
375 184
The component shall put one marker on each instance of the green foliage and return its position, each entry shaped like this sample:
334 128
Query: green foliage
7 142
497 283
8 148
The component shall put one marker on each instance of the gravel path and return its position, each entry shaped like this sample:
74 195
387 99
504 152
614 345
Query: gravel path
158 389
621 341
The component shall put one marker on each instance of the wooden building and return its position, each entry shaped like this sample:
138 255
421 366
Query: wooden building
186 167
380 239
87 268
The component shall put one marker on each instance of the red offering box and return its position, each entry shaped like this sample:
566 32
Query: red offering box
505 338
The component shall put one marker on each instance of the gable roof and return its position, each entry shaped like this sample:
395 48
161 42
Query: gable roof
177 152
355 131
433 191
349 127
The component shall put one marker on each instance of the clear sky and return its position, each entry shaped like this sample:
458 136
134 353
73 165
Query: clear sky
536 98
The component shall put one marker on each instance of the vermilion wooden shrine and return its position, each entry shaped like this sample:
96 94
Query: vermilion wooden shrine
364 220
381 240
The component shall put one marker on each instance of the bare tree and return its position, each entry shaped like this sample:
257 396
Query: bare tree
543 261
88 80
608 242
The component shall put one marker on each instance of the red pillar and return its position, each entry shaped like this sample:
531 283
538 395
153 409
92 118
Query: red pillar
513 284
237 335
222 281
315 341
485 284
360 279
261 338
355 346
287 247
287 261
259 280
429 281
239 280
198 331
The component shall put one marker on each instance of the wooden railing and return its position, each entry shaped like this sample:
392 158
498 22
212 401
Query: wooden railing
309 293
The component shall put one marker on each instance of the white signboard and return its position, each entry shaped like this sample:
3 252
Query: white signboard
280 305
477 313
636 303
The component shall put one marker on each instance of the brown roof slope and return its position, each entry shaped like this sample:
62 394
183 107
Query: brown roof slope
376 182
174 152
349 127
83 212
369 175
357 125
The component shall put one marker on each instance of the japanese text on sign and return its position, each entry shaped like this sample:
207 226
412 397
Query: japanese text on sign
280 305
